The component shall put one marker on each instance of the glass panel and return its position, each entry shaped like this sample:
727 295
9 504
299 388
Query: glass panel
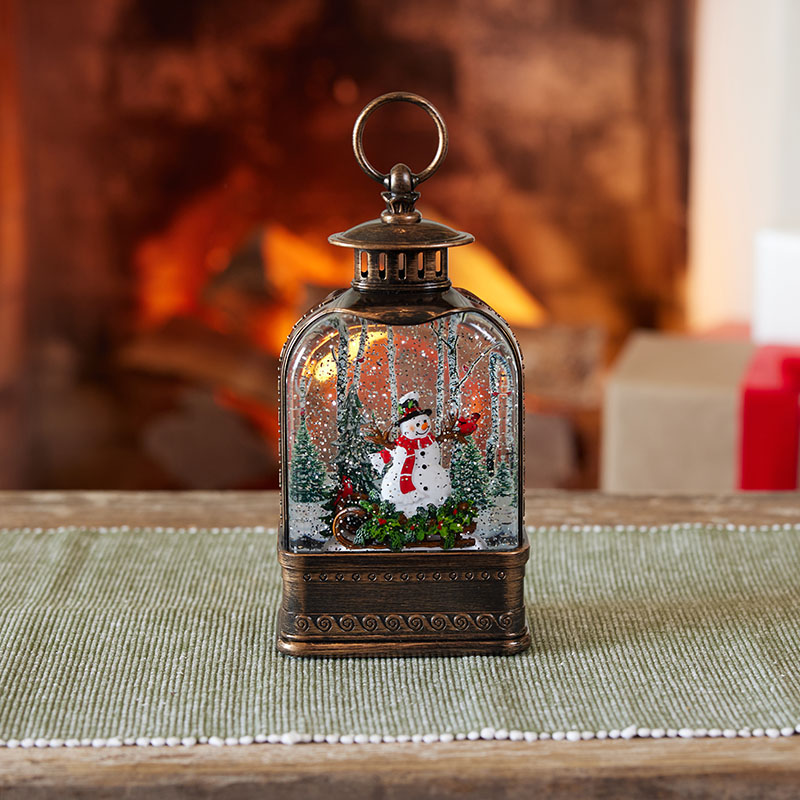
402 437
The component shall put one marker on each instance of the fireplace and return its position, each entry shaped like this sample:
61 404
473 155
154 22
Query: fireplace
171 173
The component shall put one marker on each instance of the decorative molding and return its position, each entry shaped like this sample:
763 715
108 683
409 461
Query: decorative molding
413 623
410 576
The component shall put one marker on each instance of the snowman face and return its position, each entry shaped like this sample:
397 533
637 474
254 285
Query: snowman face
416 427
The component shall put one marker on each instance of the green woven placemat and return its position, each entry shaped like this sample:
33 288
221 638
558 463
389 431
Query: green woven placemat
163 636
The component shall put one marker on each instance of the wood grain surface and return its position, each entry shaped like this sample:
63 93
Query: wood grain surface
720 768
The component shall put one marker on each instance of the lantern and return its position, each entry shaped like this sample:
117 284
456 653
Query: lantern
401 449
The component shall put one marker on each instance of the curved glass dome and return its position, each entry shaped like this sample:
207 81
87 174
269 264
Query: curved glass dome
402 436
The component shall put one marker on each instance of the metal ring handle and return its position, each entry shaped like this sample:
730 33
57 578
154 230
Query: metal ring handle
406 97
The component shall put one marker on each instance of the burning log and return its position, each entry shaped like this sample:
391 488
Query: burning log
186 349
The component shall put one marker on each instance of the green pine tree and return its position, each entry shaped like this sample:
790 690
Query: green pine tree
306 470
468 475
353 450
502 481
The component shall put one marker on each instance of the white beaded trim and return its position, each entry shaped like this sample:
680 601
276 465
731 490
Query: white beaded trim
664 528
144 529
485 734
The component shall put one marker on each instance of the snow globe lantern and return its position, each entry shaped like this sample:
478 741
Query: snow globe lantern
401 449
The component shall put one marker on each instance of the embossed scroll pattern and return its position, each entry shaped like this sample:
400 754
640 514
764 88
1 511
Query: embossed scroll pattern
401 623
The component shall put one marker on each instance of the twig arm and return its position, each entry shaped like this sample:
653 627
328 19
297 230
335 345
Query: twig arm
450 431
381 438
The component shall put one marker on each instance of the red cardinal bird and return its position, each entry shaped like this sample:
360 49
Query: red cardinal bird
467 425
345 491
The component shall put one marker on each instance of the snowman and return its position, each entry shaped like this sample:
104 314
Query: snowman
415 477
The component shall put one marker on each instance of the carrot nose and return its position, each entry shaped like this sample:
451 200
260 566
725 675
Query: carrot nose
424 426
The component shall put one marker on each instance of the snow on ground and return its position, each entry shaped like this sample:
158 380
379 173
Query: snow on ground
497 525
306 528
496 528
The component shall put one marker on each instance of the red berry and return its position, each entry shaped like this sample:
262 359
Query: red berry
381 521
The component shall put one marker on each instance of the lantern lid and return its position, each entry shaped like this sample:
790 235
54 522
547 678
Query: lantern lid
425 234
400 226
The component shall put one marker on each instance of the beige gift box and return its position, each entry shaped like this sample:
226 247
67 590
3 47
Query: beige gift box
670 417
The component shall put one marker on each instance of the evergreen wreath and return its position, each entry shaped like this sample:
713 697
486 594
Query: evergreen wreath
385 525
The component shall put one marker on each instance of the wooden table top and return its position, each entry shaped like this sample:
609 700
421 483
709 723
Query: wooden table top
693 768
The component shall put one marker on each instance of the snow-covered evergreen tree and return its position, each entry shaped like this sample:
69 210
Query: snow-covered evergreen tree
502 485
306 470
353 450
468 475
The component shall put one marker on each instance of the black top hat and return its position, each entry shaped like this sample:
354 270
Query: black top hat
410 409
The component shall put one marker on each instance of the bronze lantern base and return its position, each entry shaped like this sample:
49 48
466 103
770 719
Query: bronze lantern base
402 604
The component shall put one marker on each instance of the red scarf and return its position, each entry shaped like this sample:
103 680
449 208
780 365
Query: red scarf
410 446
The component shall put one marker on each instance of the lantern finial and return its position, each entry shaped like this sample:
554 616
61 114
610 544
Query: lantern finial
400 198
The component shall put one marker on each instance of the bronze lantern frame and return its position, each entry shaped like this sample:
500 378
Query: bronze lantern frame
436 602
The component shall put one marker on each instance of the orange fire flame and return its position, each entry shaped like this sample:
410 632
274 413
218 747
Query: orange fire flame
174 269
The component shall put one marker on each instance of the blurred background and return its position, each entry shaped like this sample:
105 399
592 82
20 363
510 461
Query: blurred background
170 172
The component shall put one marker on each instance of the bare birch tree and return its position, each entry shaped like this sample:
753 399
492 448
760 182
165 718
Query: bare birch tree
391 353
342 365
497 363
